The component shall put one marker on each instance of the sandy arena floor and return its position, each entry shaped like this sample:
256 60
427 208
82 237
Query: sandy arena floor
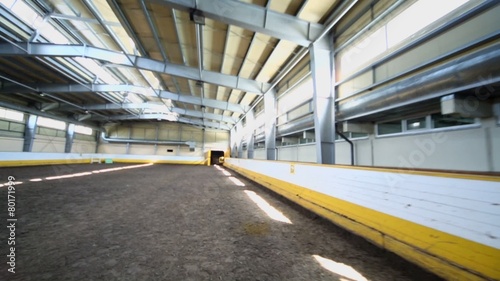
173 222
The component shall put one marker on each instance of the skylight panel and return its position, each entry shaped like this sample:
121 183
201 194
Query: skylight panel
97 70
83 130
50 123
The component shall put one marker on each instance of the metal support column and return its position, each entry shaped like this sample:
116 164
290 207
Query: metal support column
127 148
157 135
250 133
70 135
323 100
203 140
97 141
239 139
29 135
270 126
232 142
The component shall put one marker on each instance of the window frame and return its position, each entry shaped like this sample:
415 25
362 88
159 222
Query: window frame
428 129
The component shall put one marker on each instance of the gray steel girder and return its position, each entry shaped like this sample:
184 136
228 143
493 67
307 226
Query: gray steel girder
159 108
79 88
254 18
59 50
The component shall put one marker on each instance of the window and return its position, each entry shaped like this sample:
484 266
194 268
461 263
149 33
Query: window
418 16
392 127
51 123
445 121
297 95
351 136
11 115
83 130
402 26
416 124
425 123
8 3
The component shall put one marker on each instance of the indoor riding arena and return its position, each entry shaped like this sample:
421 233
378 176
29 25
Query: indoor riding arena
177 222
343 140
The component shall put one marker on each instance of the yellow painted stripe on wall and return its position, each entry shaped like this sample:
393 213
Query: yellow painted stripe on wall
431 263
447 255
145 161
19 163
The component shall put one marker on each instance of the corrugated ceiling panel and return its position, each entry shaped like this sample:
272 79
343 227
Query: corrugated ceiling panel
235 96
187 37
223 93
237 45
214 38
260 49
317 10
94 33
248 98
261 3
290 7
164 21
38 72
279 56
210 91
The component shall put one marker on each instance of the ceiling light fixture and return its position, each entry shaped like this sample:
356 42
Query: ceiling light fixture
197 16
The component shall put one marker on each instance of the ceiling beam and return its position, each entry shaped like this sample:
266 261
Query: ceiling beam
158 108
82 19
37 112
85 88
118 58
254 18
161 116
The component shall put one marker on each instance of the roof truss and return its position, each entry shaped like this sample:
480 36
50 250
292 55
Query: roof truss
85 88
252 17
157 108
59 50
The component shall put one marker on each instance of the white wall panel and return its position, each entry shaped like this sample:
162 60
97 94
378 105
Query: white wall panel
495 143
287 153
259 154
306 153
362 152
463 207
142 149
80 146
112 148
11 144
451 150
300 153
48 144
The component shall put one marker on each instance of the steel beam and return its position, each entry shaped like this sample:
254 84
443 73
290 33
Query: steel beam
324 115
270 125
59 50
85 88
205 115
36 112
159 116
250 124
159 108
82 19
239 129
254 18
70 135
29 135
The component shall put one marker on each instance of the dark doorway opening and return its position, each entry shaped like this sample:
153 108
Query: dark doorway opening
215 155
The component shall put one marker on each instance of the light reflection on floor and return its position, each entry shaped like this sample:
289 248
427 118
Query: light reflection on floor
340 269
79 174
267 208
